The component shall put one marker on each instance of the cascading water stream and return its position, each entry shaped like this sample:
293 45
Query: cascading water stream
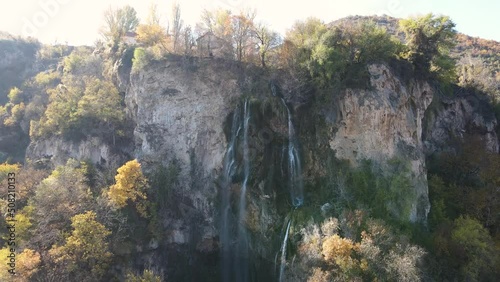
234 237
242 249
296 185
283 251
229 170
233 234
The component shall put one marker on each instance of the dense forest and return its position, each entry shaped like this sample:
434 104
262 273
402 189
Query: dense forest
87 221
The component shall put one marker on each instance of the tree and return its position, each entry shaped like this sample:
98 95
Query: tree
63 104
429 40
241 26
147 276
306 34
267 40
339 56
235 30
85 256
15 95
152 33
369 251
474 250
118 23
80 107
130 187
295 52
16 115
339 251
27 264
99 110
59 197
188 40
177 26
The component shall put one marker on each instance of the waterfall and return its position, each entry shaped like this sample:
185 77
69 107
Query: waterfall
283 251
234 236
242 273
229 171
296 185
235 243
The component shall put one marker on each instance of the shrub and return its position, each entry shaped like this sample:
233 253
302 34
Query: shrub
140 60
46 79
15 96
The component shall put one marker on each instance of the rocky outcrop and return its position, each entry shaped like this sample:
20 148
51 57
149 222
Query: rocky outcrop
453 117
56 151
385 123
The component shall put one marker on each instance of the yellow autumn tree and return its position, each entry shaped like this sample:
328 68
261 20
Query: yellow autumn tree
6 168
151 33
26 264
339 251
130 187
85 256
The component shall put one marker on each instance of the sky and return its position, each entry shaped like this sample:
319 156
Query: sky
77 22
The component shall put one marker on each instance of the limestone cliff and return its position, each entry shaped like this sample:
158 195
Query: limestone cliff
385 123
56 151
451 118
179 114
181 111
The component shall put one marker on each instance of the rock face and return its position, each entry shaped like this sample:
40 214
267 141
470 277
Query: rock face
181 111
180 114
58 151
386 123
454 117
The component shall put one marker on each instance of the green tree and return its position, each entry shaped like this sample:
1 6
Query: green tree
15 96
306 34
267 41
339 57
99 111
85 256
140 60
44 79
474 249
429 40
118 22
147 276
60 113
300 40
80 107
